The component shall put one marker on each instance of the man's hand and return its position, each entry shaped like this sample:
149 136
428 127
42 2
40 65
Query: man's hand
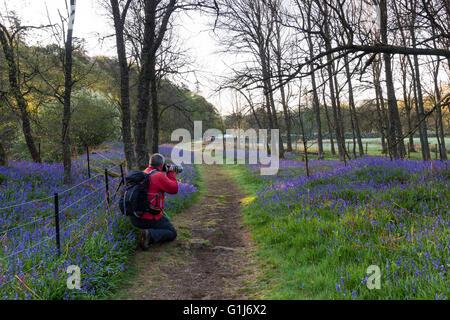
168 168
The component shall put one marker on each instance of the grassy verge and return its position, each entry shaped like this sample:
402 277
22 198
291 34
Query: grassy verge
250 184
318 248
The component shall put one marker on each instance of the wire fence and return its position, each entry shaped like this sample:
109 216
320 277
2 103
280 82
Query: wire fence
113 178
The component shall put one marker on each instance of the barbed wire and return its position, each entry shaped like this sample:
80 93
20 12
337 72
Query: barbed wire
78 222
23 272
116 181
64 191
29 248
104 157
61 210
79 184
25 224
73 203
24 203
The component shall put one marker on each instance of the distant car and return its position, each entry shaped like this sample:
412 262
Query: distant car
210 138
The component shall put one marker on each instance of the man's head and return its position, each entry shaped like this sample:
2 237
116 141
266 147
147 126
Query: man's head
157 161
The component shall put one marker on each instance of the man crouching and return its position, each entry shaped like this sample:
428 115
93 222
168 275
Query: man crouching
157 228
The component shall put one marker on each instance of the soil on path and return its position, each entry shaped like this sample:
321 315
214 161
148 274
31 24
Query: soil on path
213 256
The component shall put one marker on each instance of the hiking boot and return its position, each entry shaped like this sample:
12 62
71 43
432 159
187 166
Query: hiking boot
144 239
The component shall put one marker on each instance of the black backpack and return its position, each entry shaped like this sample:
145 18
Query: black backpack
134 200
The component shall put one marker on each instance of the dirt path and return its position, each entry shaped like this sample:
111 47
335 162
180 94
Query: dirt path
212 256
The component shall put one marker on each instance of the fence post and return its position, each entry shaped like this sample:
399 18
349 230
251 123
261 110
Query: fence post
58 243
107 186
367 144
89 164
121 174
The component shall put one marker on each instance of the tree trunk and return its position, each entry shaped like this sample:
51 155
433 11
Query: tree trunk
268 91
68 62
408 118
304 141
421 113
339 110
395 127
407 103
395 131
287 120
339 113
155 107
278 53
419 102
7 44
381 128
316 106
332 89
142 156
330 127
149 132
274 111
119 22
352 108
440 126
147 76
382 118
316 103
416 105
3 156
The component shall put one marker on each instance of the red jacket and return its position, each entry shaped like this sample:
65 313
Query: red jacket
159 182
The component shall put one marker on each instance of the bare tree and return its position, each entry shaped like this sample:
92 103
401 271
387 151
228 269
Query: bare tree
352 109
395 127
407 100
338 125
279 52
382 117
68 84
306 25
119 13
249 26
9 40
440 134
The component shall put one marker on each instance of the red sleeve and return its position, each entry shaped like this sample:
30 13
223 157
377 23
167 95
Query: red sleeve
167 183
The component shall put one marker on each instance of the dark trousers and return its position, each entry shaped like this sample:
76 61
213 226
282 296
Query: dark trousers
160 230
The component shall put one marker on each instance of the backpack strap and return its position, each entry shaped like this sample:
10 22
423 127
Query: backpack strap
159 193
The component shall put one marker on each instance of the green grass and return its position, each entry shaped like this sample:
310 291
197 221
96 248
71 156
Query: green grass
295 253
373 148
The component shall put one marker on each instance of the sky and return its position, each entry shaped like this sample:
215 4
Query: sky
92 23
194 30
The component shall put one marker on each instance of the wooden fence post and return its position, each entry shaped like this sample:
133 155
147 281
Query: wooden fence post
107 186
58 243
89 164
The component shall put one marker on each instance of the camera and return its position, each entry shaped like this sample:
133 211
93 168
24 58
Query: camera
173 167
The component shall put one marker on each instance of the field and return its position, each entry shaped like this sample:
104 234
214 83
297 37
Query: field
319 234
373 146
94 236
316 236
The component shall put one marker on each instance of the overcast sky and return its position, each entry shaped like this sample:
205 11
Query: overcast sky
195 33
92 24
